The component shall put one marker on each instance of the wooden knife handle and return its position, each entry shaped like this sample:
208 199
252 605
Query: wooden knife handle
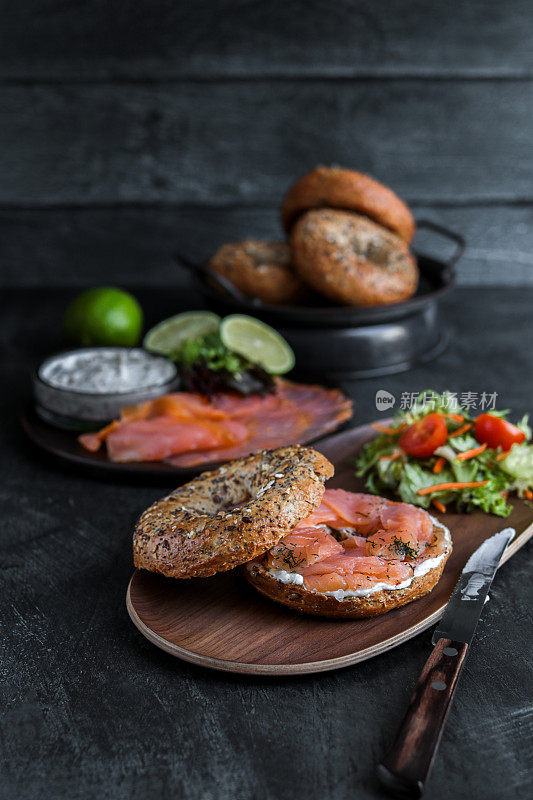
406 767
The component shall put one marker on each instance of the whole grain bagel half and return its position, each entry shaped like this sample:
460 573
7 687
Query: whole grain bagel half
372 604
230 515
259 269
351 259
334 187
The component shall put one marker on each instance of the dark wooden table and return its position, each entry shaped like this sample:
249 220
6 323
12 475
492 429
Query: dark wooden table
91 709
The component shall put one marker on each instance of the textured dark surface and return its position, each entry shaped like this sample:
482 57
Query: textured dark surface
223 142
91 709
86 247
161 39
128 130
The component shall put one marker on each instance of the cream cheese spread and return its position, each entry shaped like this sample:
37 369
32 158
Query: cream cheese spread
106 370
95 383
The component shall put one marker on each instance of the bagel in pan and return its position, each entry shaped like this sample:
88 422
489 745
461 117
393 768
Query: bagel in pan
334 187
230 515
259 269
351 259
281 588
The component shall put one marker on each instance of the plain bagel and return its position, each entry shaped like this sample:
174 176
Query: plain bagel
259 269
351 259
324 605
334 187
230 515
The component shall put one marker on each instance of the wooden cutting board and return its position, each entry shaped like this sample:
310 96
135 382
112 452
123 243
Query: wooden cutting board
223 623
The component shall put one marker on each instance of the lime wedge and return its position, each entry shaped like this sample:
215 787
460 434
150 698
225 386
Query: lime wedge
257 342
168 336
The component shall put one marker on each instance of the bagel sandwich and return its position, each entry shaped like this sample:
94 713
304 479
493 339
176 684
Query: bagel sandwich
324 552
288 586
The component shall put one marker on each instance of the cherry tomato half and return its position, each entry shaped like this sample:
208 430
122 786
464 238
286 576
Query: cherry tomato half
497 432
422 438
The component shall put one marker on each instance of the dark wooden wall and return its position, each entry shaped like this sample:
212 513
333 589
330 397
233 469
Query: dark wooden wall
130 129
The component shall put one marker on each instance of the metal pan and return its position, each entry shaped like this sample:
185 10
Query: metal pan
340 341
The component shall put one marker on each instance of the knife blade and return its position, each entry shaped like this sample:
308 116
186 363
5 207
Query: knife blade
464 607
405 769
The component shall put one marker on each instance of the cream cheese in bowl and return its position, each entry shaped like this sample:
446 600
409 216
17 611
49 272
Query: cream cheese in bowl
93 384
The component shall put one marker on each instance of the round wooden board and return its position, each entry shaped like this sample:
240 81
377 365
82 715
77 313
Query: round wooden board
223 623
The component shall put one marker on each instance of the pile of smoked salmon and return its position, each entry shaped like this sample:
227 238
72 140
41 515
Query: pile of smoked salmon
382 542
186 429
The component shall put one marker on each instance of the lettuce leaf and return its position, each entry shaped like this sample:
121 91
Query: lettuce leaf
518 465
405 475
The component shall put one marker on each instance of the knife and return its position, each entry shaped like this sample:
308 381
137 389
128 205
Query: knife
405 769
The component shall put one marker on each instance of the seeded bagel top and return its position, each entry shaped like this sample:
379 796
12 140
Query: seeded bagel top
230 515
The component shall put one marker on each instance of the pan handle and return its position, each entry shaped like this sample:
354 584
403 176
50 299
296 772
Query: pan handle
460 242
201 272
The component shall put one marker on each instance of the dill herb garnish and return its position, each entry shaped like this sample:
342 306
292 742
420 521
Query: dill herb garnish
404 549
288 556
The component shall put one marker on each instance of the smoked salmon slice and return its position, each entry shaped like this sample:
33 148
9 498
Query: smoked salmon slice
401 517
377 541
155 439
302 547
399 544
179 405
188 429
324 515
342 509
294 414
353 572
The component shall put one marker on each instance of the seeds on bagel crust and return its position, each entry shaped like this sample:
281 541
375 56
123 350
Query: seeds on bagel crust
351 259
260 269
230 515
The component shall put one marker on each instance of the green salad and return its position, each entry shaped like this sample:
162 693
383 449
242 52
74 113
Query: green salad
238 353
433 456
209 366
211 351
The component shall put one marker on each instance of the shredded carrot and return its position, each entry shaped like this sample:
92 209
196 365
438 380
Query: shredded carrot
500 456
439 506
444 487
439 464
107 430
461 430
386 429
528 494
389 458
455 417
466 454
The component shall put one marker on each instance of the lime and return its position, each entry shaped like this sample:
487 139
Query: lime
103 316
257 342
168 336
